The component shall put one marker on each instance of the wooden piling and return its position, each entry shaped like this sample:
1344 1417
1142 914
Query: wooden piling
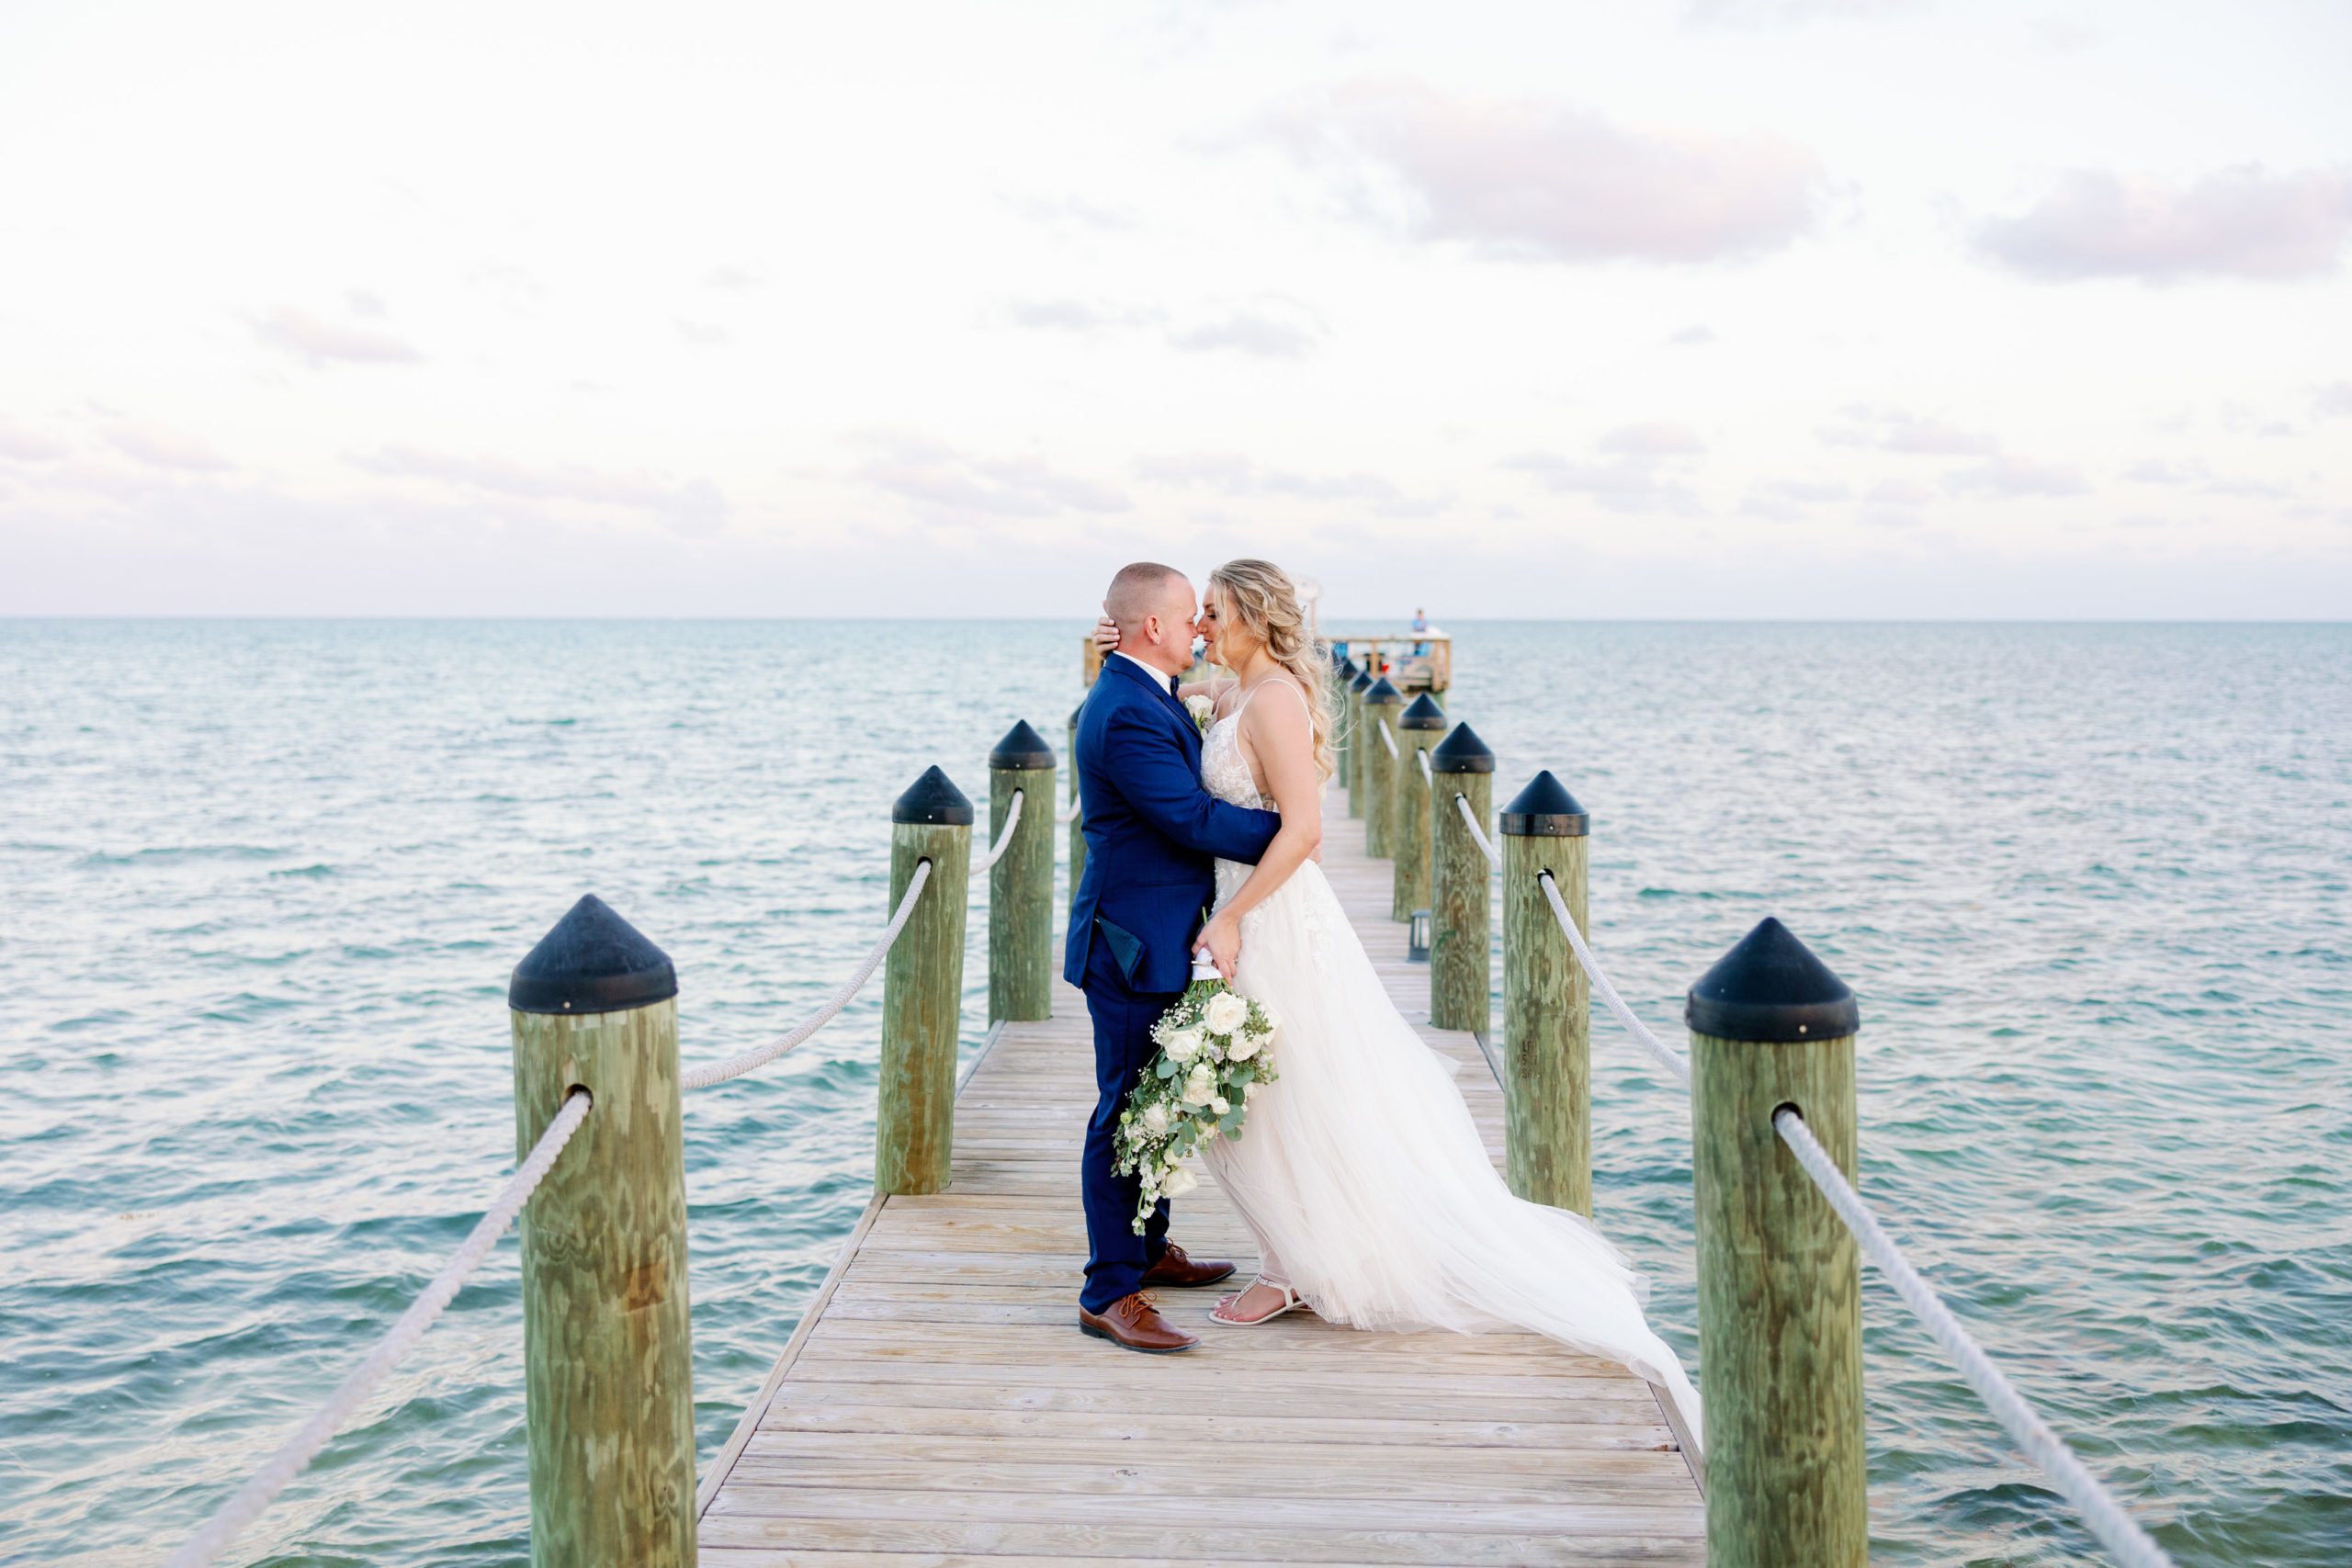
608 1354
1779 1277
1358 776
1547 1046
1343 737
1077 810
1419 728
1381 704
1021 883
922 990
1462 933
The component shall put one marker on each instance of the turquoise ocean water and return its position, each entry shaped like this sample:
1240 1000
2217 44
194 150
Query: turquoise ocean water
264 883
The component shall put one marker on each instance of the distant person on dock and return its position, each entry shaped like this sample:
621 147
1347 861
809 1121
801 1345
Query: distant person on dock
1153 837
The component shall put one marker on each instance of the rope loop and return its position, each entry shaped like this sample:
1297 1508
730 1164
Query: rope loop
1004 834
1478 835
759 1056
2115 1529
294 1455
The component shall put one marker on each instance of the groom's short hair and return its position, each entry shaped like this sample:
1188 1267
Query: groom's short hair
1135 591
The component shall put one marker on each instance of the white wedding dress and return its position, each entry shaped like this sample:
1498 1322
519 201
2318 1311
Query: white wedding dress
1359 1171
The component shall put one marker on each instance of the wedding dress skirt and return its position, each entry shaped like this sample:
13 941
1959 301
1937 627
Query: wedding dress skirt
1359 1171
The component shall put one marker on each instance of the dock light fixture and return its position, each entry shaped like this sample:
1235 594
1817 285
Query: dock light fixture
1417 939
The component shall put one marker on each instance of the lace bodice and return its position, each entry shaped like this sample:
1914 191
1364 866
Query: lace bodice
1225 771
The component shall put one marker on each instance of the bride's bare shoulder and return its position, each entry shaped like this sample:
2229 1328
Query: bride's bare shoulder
1276 718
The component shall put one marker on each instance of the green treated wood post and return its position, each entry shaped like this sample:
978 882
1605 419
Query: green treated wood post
922 990
1360 774
1021 883
1779 1277
1078 814
1461 883
607 1357
1342 696
1547 1036
1419 728
1381 704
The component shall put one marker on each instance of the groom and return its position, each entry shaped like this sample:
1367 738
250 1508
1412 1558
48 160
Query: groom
1152 834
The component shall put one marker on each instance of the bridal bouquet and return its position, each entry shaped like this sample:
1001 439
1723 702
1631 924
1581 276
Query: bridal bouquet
1215 1051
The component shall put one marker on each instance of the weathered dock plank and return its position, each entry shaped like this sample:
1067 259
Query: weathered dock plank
938 1408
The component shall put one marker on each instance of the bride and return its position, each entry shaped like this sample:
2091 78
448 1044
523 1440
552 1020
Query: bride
1360 1172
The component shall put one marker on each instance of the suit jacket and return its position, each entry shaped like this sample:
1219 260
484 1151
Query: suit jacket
1152 832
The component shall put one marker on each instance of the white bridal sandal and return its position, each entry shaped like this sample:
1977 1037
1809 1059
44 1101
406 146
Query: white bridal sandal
1292 1302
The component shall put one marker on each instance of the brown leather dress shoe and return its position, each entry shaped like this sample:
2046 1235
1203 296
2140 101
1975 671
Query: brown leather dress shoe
1175 1268
1133 1324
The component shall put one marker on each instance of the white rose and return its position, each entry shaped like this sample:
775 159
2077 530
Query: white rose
1178 1182
1201 710
1227 1012
1155 1119
1219 1105
1199 1087
1246 1047
1250 1091
1183 1045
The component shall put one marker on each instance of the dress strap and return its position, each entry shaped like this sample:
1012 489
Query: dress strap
1287 685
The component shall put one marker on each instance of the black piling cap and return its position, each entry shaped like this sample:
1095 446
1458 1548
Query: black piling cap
1021 748
932 799
1349 672
592 962
1461 752
1544 809
1363 683
1770 989
1423 714
1382 692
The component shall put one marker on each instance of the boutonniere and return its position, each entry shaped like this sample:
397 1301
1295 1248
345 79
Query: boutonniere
1201 710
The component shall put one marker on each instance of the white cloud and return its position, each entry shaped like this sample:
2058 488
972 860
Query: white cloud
318 342
1891 430
160 449
2237 222
1269 330
1654 438
1549 180
944 480
1629 485
2016 477
24 446
2196 474
2332 399
694 507
1692 337
1791 500
1231 475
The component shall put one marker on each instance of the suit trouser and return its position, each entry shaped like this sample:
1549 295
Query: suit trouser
1123 1044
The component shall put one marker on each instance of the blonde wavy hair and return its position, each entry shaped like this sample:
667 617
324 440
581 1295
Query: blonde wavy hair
1258 597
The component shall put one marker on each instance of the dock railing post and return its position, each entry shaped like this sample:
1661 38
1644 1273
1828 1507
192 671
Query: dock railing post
1382 703
1780 1275
1360 769
1021 883
607 1358
1547 1034
1343 736
1419 728
922 990
1461 885
1077 811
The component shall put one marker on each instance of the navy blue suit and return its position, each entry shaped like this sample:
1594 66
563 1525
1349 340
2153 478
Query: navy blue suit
1152 835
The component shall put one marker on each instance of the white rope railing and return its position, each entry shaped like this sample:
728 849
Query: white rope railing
1668 1057
1427 777
2115 1529
1388 740
1004 834
1478 834
1069 815
295 1455
759 1056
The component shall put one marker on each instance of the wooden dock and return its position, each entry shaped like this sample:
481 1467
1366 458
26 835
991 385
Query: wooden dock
939 1406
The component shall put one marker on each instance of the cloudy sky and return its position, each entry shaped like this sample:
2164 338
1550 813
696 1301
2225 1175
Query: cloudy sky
1789 310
